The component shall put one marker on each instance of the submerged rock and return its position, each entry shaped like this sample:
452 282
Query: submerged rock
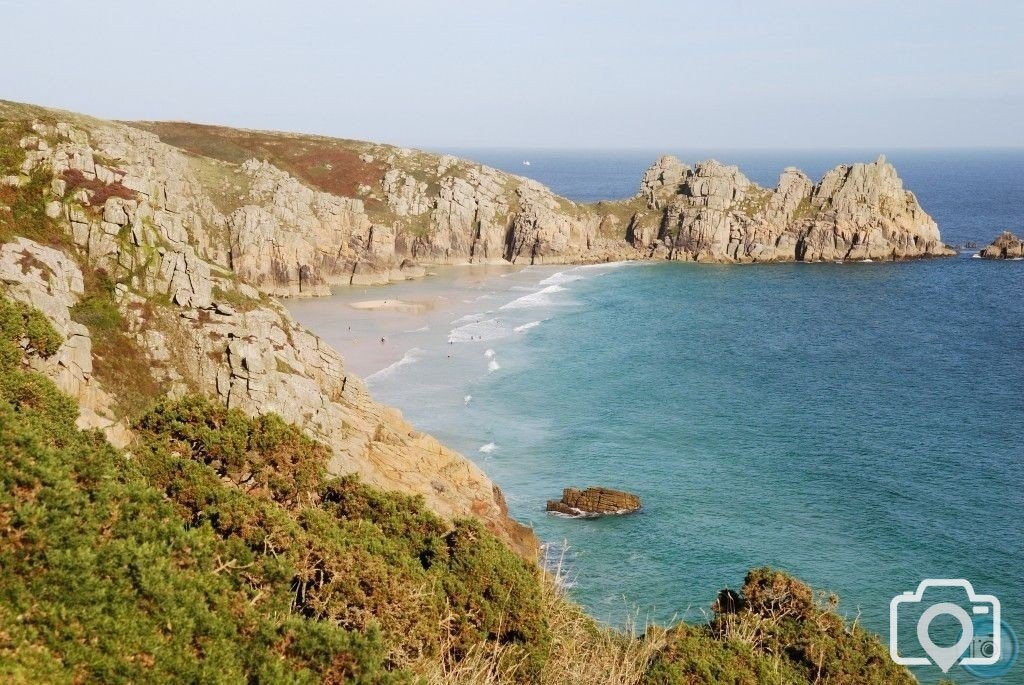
594 502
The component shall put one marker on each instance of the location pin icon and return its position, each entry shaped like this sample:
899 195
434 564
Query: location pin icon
945 657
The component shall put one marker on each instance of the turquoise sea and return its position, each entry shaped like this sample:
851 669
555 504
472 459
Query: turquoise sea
859 425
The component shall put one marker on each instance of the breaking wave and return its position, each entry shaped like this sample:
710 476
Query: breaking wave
560 278
488 329
410 357
541 298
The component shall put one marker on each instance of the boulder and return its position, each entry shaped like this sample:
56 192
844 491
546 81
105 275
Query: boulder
594 502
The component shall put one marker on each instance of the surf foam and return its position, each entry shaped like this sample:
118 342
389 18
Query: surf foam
410 357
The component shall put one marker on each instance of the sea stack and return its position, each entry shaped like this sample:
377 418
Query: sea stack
594 502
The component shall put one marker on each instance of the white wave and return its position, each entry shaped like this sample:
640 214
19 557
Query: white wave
488 448
410 357
560 278
467 399
866 261
419 330
489 353
488 329
540 298
526 327
493 366
976 255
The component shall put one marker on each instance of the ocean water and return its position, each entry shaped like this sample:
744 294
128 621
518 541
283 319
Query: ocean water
859 425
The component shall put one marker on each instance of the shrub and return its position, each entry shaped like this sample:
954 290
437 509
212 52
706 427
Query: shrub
776 630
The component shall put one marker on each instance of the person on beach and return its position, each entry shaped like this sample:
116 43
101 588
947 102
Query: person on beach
382 340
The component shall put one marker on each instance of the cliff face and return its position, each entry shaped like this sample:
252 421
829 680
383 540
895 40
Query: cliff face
117 238
714 213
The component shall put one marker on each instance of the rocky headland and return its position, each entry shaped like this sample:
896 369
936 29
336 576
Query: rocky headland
299 214
1006 246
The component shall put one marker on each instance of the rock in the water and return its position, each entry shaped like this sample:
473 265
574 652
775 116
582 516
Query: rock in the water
594 502
1006 246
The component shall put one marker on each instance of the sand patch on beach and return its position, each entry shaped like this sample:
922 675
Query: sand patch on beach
392 306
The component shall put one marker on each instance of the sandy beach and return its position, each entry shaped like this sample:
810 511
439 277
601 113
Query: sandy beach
380 327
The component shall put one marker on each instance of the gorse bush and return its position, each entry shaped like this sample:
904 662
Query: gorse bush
339 550
220 550
775 630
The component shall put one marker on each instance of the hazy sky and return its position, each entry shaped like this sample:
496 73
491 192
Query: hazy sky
715 73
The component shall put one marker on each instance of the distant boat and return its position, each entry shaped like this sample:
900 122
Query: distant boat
526 162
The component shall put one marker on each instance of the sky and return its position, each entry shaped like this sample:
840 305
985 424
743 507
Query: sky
586 74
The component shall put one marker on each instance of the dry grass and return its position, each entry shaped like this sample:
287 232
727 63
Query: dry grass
583 651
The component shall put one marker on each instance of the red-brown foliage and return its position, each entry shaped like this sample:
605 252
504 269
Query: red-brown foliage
100 191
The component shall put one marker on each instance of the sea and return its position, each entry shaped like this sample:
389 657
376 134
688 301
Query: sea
858 425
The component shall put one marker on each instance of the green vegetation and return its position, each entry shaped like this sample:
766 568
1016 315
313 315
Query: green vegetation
23 207
776 630
119 361
755 202
804 210
220 550
223 553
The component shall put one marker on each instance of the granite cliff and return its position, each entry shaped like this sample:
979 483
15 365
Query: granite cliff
304 213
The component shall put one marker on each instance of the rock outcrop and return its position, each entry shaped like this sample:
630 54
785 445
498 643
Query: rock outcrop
594 502
714 213
50 281
1006 246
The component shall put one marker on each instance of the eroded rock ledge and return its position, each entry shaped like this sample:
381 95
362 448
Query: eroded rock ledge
594 502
